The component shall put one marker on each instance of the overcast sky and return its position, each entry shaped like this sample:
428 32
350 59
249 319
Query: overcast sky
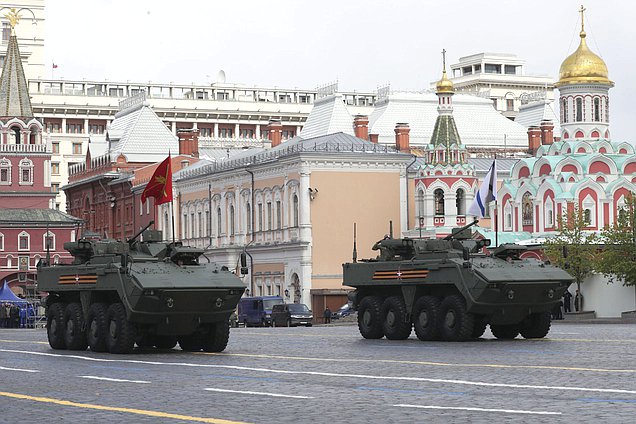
361 43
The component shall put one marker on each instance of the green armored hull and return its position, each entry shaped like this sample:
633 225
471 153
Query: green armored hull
149 293
448 290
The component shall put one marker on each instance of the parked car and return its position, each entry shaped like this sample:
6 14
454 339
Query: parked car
291 314
257 311
344 311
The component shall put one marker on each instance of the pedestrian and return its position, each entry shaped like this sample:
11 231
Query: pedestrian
3 315
327 315
7 315
567 301
578 301
15 316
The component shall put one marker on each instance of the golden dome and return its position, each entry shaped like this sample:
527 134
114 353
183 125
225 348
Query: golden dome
444 85
583 66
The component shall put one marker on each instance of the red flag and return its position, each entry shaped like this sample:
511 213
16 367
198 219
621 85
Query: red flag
160 185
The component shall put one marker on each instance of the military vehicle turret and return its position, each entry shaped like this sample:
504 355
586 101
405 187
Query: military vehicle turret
149 292
447 289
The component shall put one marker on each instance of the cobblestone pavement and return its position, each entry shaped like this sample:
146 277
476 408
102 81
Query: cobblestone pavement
328 374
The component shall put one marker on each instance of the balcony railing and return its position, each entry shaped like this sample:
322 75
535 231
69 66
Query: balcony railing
23 148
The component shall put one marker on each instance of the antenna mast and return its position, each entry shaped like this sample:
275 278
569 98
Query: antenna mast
355 251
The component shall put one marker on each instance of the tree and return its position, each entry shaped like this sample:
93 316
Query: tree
617 260
573 249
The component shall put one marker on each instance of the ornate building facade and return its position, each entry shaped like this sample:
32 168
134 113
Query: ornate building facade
29 229
445 183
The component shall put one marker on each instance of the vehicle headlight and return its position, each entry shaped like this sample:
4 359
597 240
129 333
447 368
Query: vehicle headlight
268 316
296 316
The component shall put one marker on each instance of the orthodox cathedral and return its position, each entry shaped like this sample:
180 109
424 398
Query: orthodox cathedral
584 169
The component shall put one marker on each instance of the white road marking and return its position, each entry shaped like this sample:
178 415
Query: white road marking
328 374
116 380
244 392
506 411
17 369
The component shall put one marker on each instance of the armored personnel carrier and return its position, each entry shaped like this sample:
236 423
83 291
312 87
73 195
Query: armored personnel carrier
447 289
151 293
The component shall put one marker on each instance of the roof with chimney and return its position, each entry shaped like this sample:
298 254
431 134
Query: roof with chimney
139 134
14 90
479 124
531 115
328 116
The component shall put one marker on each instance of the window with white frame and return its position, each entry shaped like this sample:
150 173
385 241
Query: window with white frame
200 225
549 213
460 202
621 208
24 241
296 211
5 171
589 211
26 171
192 225
48 241
184 226
279 216
148 208
260 217
508 216
439 201
141 207
1 241
218 222
232 223
269 215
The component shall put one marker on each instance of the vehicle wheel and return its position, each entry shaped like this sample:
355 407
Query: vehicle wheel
394 324
55 325
456 325
120 337
165 342
96 329
191 342
505 332
480 327
426 317
536 326
370 317
74 334
217 337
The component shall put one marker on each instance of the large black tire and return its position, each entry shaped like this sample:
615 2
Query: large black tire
505 332
74 327
480 327
455 324
426 318
191 342
370 317
55 327
96 328
120 337
165 342
536 326
217 337
394 323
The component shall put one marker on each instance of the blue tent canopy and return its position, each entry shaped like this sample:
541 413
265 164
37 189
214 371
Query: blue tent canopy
6 295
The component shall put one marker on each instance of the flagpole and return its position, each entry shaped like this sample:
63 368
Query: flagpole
496 211
172 216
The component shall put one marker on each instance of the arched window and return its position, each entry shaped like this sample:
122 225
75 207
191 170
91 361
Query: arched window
231 220
419 202
621 207
597 109
296 211
24 241
549 213
460 201
5 171
248 217
579 109
508 216
439 201
16 134
526 204
589 211
218 222
48 241
564 110
26 172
